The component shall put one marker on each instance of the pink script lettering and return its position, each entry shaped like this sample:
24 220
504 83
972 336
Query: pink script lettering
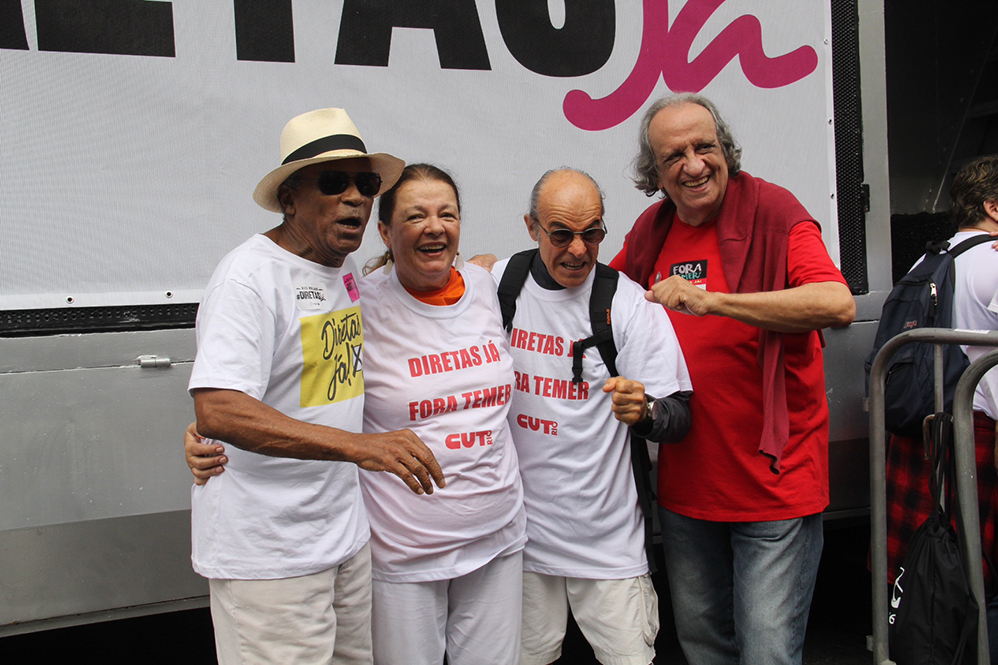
666 51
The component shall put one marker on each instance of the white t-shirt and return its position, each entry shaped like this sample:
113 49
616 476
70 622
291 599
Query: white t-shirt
975 307
287 332
445 373
583 518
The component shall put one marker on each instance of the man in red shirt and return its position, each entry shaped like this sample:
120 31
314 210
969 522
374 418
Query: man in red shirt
742 269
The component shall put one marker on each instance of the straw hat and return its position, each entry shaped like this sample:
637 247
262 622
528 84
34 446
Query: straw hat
325 135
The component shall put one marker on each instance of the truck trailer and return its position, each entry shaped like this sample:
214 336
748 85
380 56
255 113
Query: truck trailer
132 133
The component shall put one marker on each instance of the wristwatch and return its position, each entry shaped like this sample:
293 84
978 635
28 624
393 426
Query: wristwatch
652 409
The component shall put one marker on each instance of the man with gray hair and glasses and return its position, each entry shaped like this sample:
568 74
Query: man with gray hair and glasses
747 281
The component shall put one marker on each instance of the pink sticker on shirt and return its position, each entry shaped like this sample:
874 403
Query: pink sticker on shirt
351 285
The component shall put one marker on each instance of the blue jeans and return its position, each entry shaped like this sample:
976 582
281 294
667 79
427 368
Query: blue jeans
741 591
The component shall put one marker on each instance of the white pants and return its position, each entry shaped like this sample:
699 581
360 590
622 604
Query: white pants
618 617
323 618
474 618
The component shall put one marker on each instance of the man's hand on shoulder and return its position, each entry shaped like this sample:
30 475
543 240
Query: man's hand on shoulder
484 260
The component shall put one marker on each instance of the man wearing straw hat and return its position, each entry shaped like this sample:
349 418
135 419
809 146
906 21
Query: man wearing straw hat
279 375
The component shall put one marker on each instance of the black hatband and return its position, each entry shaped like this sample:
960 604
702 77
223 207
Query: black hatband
326 144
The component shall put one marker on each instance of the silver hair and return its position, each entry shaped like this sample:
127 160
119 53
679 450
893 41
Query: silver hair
646 174
535 193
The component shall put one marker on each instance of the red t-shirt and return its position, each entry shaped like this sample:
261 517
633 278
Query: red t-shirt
716 472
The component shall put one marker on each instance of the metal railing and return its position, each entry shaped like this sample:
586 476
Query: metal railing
966 471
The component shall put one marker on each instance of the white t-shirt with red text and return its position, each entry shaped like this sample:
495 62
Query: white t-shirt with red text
583 517
446 373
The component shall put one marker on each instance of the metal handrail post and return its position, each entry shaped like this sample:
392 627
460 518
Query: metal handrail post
878 468
966 487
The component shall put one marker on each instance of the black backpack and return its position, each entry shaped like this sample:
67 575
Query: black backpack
933 615
922 299
600 301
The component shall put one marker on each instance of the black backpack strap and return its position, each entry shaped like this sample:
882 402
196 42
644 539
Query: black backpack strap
641 466
940 246
971 242
936 246
600 305
513 279
600 300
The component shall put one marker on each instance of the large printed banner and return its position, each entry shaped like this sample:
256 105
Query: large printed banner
132 132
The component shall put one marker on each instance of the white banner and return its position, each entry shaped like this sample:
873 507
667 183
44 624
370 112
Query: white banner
133 132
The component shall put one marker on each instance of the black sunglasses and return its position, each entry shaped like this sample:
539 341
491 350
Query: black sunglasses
564 237
332 183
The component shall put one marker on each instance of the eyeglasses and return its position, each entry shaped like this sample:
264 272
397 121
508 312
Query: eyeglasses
564 237
332 183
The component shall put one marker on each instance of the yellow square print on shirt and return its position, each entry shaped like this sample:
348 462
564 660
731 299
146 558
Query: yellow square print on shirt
332 346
